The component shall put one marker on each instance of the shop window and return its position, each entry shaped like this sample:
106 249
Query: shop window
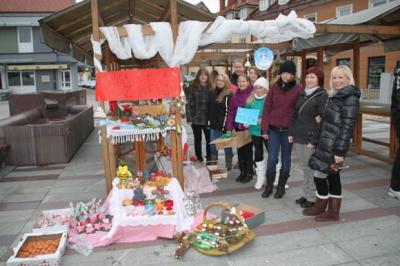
311 62
376 66
242 39
21 78
374 3
343 62
344 10
264 4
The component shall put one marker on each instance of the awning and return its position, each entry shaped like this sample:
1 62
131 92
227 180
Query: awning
37 67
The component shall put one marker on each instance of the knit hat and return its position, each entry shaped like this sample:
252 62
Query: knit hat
262 82
289 67
318 72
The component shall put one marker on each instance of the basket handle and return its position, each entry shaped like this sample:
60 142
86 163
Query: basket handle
215 204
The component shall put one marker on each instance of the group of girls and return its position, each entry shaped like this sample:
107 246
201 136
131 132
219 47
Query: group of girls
318 122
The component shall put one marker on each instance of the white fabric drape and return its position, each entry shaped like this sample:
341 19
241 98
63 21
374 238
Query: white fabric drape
191 35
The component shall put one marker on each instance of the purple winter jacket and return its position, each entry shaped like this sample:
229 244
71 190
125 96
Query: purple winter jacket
238 99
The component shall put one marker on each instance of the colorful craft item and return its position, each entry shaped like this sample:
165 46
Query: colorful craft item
160 192
127 202
138 195
169 205
159 207
246 214
123 174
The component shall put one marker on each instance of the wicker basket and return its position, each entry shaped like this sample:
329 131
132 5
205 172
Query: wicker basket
245 237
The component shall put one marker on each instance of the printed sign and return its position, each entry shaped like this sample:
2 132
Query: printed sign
139 84
247 116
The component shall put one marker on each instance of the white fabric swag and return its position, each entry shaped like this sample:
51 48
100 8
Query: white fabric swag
191 35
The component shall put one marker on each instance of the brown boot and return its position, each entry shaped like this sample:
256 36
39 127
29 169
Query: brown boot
319 206
332 214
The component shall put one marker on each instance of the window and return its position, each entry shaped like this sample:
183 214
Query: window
376 65
311 17
21 78
242 39
25 43
374 3
344 10
264 4
65 79
343 62
243 13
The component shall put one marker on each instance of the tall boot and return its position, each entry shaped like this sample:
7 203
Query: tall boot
270 183
319 207
228 161
280 189
332 213
249 173
242 169
260 172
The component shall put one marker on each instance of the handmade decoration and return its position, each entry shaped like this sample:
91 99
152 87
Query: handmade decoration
191 203
220 236
123 174
160 192
138 195
53 220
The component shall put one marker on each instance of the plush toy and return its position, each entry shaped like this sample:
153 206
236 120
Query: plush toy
123 174
159 207
138 194
160 192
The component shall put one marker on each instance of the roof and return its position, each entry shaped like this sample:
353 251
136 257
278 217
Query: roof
237 6
367 16
387 14
69 30
33 6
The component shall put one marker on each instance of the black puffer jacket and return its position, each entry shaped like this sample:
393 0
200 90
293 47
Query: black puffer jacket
336 130
396 102
218 110
197 107
308 107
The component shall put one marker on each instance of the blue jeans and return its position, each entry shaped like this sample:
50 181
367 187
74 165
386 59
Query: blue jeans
214 134
279 139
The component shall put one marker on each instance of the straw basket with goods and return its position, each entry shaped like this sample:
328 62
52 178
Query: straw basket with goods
221 235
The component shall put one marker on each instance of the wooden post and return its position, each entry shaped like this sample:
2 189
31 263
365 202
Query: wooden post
177 149
303 65
320 58
103 130
393 141
356 62
357 133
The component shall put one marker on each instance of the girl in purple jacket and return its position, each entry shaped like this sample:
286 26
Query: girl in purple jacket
245 153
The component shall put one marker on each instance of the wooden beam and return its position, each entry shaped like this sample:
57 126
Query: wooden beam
303 66
132 5
166 12
217 56
361 29
273 46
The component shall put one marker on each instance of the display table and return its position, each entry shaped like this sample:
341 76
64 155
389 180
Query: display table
196 179
128 229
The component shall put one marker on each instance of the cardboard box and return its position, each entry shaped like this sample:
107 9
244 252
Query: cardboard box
53 259
239 139
218 173
257 219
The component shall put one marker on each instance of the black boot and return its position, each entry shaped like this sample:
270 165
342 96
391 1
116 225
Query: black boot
249 173
270 184
242 169
280 189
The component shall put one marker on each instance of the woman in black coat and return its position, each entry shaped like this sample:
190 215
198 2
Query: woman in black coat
309 107
332 144
394 190
197 111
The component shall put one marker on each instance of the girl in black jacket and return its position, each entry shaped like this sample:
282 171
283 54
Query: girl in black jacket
219 103
197 111
332 144
309 108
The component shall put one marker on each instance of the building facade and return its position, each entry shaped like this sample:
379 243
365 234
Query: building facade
373 59
27 65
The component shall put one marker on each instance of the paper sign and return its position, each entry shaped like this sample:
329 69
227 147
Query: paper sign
139 84
247 116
